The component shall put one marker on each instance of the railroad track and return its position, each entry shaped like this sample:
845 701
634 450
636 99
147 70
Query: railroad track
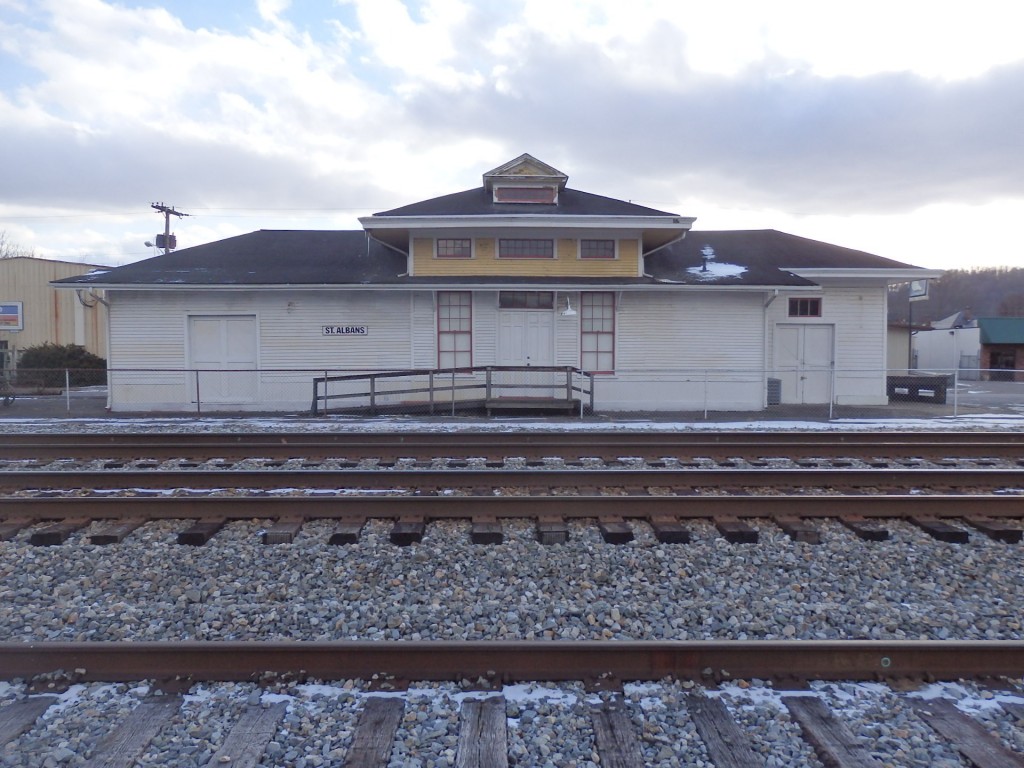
552 480
570 445
664 498
489 721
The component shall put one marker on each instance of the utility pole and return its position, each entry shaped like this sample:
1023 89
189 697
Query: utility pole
169 241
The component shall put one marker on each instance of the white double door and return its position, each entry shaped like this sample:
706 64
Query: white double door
222 351
526 338
803 360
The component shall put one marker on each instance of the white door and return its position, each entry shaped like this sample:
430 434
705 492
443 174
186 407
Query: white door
526 338
225 345
803 360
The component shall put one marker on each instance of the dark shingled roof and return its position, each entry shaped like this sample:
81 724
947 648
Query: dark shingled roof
339 258
763 254
479 202
266 257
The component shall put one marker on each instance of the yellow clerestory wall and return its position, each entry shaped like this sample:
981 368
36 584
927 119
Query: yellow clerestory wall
566 263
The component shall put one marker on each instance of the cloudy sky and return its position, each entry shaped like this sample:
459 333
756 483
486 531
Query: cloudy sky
893 126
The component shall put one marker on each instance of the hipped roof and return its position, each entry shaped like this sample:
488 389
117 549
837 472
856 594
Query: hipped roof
351 258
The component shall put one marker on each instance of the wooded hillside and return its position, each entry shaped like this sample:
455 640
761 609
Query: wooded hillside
990 292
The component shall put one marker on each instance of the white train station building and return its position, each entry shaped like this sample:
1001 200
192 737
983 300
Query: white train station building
520 291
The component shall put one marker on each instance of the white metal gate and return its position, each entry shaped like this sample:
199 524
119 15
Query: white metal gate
803 361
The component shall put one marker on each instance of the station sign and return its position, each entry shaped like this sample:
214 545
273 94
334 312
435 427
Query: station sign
346 330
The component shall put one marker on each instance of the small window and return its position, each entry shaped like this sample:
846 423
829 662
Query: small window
597 249
454 248
805 307
526 300
543 195
526 249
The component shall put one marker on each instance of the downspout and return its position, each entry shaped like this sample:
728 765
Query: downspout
766 341
643 256
370 237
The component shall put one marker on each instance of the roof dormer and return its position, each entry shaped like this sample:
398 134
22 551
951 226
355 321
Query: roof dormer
525 180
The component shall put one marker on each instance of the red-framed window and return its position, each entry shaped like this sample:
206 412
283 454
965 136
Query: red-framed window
526 300
454 248
454 329
597 332
805 307
597 249
525 248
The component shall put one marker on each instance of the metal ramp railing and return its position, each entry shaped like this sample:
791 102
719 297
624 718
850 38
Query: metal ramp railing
447 390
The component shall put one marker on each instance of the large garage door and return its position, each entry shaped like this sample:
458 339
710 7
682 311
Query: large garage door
803 361
222 349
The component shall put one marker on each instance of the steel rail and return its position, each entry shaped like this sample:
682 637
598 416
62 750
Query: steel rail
971 478
355 507
529 445
509 661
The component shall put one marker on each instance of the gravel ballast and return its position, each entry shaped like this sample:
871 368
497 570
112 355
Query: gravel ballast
236 588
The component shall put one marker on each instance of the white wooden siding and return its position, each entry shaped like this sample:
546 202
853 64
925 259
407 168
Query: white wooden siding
673 349
148 331
858 314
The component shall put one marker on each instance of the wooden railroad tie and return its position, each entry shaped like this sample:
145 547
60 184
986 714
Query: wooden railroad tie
829 736
57 533
968 737
483 734
552 530
408 531
374 736
668 530
283 531
736 531
799 530
115 532
996 530
11 528
615 736
727 745
614 530
200 533
940 530
347 532
18 717
248 739
863 529
486 529
125 744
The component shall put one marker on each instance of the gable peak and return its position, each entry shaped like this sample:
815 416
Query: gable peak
525 169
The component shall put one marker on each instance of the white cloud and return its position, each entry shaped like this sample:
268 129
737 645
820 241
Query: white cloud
849 122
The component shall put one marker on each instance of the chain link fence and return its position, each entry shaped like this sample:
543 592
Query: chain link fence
687 394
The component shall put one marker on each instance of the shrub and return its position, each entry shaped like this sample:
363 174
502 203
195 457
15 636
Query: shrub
39 366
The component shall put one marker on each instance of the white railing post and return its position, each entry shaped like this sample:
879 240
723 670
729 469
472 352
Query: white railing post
705 394
831 390
67 389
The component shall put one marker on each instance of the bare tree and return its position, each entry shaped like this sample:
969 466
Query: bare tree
9 249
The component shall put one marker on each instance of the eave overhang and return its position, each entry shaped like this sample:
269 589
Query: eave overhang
557 284
520 220
657 231
891 276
